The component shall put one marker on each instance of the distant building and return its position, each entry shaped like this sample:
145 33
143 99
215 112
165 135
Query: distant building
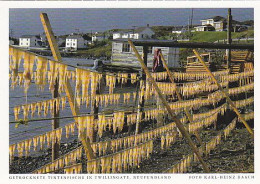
179 30
205 28
138 33
123 53
74 42
30 41
216 23
97 37
12 41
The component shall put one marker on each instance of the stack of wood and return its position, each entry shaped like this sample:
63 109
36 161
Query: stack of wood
194 65
241 61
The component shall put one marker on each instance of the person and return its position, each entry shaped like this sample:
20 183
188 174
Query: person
157 61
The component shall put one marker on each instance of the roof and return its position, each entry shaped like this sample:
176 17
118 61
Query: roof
216 18
137 30
74 37
30 36
140 29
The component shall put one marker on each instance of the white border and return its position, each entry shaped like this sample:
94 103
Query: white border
4 94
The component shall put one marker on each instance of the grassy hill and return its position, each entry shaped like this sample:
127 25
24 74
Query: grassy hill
214 36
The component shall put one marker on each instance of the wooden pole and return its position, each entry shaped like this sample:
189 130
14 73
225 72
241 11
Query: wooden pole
177 121
74 108
141 104
179 97
229 39
225 93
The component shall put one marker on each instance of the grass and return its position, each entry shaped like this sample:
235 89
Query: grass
214 36
100 51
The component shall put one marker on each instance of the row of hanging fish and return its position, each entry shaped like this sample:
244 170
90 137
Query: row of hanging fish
247 116
221 109
244 102
182 166
56 70
241 89
84 78
237 76
105 99
211 145
198 89
205 122
23 147
69 160
218 95
74 169
121 161
230 127
168 139
47 106
196 76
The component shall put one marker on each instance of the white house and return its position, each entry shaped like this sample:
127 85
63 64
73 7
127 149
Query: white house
216 23
30 41
138 33
99 37
75 42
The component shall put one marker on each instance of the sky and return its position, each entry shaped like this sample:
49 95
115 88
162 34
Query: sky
65 21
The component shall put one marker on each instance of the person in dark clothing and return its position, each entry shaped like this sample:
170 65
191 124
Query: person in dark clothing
157 61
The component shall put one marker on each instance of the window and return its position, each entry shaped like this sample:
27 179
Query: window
217 25
27 39
74 44
67 43
150 49
126 47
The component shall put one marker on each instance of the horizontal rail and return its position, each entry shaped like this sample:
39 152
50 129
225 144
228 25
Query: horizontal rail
170 43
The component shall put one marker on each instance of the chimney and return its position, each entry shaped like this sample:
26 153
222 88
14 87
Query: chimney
147 25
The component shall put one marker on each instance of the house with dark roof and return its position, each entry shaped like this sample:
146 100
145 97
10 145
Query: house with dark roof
75 42
97 37
30 41
138 33
216 23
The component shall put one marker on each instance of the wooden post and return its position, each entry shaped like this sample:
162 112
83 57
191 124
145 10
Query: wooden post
179 97
55 123
74 108
177 121
229 39
141 105
225 93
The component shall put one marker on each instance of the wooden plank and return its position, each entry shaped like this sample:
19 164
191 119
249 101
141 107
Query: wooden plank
176 120
56 54
225 93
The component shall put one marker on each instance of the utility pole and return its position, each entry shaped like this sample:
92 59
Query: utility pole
191 19
134 30
229 39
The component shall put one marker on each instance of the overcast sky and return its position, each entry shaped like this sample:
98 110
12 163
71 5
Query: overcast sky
64 21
